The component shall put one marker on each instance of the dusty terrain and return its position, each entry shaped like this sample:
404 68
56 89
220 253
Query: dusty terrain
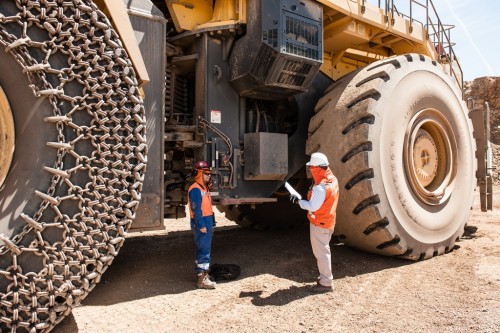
150 286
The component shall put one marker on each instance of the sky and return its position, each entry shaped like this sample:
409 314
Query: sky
476 33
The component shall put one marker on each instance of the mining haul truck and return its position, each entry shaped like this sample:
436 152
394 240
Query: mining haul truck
93 91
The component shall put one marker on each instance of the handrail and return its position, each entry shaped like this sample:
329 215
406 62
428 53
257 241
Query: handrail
450 56
437 32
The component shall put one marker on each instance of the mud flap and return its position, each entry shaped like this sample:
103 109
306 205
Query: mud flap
480 118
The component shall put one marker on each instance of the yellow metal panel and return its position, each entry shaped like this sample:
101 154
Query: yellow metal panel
242 11
345 36
225 10
346 7
374 34
398 26
374 16
416 30
353 8
117 12
187 14
338 66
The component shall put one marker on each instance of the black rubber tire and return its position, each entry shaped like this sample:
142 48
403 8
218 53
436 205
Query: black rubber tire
50 264
280 215
361 124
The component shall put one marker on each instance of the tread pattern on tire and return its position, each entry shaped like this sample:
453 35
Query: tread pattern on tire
343 110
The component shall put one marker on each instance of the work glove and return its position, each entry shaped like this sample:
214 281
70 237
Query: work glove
213 215
294 199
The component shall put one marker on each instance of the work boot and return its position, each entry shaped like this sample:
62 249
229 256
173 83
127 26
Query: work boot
204 281
318 288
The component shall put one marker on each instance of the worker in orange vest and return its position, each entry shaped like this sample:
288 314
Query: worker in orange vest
321 205
202 222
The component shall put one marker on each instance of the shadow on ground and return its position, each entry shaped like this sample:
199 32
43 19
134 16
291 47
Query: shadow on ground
163 264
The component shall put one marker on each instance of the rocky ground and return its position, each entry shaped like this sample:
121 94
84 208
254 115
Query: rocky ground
150 286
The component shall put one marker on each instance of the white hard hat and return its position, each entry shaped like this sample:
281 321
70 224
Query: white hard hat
318 159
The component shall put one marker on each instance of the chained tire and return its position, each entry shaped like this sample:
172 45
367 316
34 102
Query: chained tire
399 139
75 179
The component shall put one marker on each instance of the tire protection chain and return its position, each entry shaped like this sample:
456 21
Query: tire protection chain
34 301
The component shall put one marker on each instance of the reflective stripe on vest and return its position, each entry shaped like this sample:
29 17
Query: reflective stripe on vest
325 216
206 201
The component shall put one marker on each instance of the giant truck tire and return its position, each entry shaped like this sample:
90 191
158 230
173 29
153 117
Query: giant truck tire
75 178
399 139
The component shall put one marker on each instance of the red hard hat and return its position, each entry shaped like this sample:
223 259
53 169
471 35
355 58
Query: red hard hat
201 165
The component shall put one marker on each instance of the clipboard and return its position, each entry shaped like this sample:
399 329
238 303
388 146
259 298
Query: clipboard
292 191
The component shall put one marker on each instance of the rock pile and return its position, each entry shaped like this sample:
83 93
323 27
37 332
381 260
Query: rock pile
486 89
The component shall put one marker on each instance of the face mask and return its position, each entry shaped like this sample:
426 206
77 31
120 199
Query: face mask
319 174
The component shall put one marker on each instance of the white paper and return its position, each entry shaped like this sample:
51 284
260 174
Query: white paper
292 191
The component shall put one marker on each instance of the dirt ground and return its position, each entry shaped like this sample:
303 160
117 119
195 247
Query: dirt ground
150 286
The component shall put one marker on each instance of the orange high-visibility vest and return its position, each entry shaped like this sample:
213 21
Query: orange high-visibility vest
325 216
206 201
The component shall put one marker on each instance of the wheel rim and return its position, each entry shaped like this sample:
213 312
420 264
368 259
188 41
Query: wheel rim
7 137
430 154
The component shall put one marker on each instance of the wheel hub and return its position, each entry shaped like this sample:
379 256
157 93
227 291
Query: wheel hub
425 158
7 137
430 153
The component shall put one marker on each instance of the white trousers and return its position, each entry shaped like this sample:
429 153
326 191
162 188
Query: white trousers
320 243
